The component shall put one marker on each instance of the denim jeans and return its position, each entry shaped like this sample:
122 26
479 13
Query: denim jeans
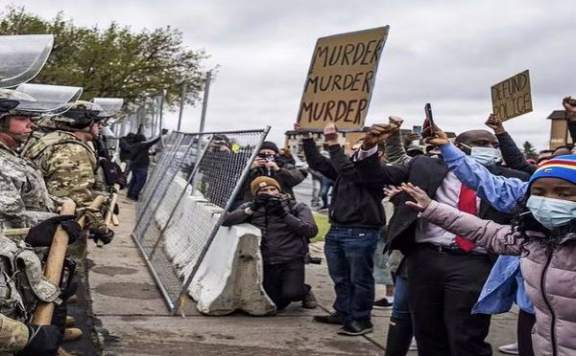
350 258
401 307
139 176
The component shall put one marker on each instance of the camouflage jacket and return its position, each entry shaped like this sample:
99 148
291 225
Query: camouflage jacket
67 164
24 199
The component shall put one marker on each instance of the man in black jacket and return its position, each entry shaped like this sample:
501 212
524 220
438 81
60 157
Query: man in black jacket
356 216
139 163
445 272
286 228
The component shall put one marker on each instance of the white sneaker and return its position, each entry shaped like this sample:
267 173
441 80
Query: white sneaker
511 349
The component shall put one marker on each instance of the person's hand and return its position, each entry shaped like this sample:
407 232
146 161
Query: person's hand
330 134
258 162
42 234
103 234
271 165
433 135
570 106
391 191
376 134
43 340
421 199
495 123
396 121
409 138
303 132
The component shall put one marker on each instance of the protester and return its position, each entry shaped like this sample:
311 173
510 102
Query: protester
266 164
286 228
543 236
356 217
445 274
139 164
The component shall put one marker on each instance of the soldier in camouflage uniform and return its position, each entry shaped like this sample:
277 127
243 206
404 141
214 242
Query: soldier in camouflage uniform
24 202
67 159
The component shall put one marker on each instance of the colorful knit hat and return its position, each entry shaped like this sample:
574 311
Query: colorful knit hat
562 167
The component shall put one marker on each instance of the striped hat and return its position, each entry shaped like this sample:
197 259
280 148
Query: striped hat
562 167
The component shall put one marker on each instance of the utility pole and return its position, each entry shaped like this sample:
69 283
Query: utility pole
182 101
205 100
161 116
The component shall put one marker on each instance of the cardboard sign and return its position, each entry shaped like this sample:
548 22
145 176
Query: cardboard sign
341 79
512 97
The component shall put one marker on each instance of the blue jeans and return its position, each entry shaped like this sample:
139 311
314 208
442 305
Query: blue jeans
139 176
350 258
400 307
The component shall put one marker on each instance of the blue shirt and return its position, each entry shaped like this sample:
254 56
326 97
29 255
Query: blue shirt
501 192
505 283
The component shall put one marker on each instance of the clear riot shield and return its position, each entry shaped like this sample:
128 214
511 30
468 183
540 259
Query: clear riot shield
110 106
50 99
22 57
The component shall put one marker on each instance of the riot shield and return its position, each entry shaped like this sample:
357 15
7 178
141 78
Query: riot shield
50 99
22 57
111 106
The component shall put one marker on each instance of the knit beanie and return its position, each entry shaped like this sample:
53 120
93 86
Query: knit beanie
270 146
263 182
562 167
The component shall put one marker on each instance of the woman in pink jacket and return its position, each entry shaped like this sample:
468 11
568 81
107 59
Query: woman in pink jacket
544 235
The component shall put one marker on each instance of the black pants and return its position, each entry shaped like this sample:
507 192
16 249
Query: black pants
284 282
442 289
525 325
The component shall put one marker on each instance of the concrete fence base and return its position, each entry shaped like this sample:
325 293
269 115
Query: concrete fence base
230 276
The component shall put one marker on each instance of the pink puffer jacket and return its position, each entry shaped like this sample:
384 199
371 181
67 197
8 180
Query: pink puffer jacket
549 271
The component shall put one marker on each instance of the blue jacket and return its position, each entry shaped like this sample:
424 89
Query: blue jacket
505 284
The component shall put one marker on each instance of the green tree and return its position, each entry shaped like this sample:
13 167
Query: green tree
113 61
529 150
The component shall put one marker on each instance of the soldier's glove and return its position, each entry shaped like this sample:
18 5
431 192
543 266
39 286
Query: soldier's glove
102 233
41 235
44 340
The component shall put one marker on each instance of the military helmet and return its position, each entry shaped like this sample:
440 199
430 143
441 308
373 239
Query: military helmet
9 102
79 115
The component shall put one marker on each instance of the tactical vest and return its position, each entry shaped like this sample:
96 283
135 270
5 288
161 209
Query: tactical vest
39 142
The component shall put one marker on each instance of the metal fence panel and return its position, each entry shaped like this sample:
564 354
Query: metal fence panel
174 236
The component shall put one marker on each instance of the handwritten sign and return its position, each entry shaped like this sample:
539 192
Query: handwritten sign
341 78
512 97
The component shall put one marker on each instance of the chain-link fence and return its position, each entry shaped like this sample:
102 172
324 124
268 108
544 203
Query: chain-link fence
181 208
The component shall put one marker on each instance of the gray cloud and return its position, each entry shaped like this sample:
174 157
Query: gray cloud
445 52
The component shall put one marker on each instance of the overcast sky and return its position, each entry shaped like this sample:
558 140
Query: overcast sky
448 53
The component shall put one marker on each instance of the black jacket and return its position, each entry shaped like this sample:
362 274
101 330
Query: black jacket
284 238
139 155
512 155
356 201
288 176
428 174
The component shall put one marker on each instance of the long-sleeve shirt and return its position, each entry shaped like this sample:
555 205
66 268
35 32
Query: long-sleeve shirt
502 193
512 155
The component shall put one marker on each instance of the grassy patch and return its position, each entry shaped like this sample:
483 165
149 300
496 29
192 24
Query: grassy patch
323 226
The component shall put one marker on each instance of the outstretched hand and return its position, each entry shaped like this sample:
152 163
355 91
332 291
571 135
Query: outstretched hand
421 198
376 134
569 104
331 134
434 135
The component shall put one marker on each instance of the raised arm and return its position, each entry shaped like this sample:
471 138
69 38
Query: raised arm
502 193
496 238
316 161
513 157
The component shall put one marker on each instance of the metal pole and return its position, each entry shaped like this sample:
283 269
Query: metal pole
205 100
162 98
182 100
214 231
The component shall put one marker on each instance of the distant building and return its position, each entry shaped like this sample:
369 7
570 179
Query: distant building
558 129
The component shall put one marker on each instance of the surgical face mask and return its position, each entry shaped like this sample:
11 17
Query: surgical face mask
486 156
550 212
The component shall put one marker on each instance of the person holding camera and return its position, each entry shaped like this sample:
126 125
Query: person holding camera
286 228
267 164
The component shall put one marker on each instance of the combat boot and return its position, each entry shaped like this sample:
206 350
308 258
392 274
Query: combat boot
72 334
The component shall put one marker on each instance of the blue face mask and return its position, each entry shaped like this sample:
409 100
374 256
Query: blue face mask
551 212
486 156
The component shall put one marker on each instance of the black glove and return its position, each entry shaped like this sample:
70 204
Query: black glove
41 235
44 340
102 234
275 206
259 201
